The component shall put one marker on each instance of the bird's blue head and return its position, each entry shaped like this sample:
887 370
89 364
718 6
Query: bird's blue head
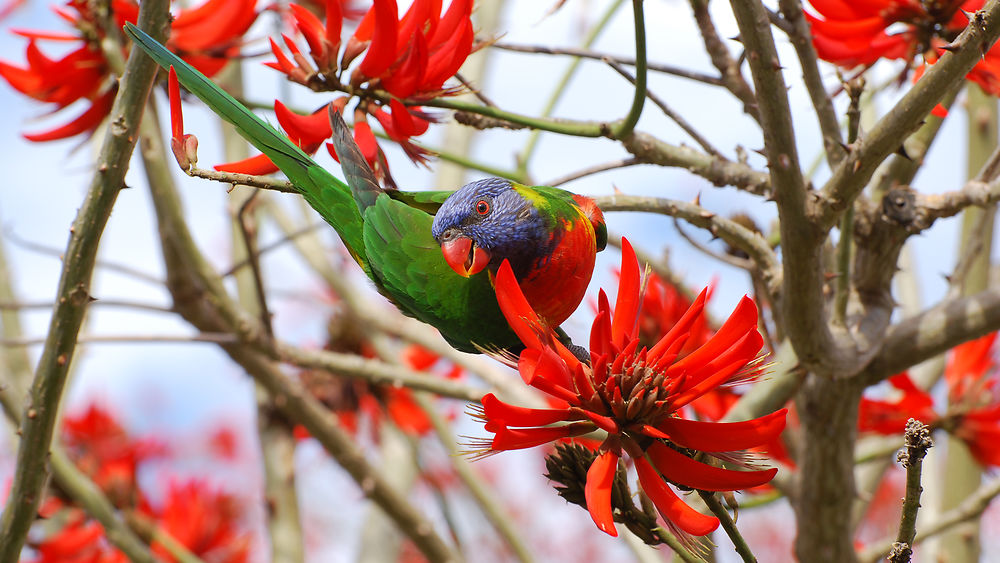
486 221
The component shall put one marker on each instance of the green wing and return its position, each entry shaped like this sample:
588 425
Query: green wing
409 268
388 232
429 201
330 197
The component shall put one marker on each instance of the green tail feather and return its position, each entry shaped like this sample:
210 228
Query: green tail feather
329 196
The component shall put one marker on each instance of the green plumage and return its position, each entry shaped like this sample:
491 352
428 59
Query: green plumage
387 232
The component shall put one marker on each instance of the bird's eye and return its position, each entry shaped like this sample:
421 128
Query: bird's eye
482 207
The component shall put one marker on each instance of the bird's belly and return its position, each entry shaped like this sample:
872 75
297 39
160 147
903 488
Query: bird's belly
556 286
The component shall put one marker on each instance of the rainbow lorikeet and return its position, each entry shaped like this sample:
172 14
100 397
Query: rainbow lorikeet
433 254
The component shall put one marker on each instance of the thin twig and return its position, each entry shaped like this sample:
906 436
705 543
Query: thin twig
104 265
918 441
733 261
800 35
630 61
214 338
597 168
475 91
854 90
676 117
722 59
733 233
969 509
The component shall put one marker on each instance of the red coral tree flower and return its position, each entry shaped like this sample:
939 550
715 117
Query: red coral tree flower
852 34
856 33
206 36
401 58
973 402
635 394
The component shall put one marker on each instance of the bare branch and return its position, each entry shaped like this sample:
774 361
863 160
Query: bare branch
730 231
630 61
933 332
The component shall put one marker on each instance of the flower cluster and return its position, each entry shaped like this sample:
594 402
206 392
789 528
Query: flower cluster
973 413
198 516
404 58
860 33
207 36
635 395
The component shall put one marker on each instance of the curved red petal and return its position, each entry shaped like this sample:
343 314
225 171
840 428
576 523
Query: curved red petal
449 58
258 165
600 479
742 321
670 507
312 30
365 139
522 318
306 131
382 50
724 436
334 23
500 412
679 468
403 79
86 121
544 370
445 30
521 438
680 330
627 303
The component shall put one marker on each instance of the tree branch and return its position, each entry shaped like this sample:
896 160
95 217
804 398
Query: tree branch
933 332
73 294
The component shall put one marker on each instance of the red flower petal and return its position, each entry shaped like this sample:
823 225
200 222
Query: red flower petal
403 79
522 318
86 121
535 364
458 11
670 507
365 139
499 412
724 436
334 23
521 438
306 131
382 50
176 115
679 468
258 165
312 30
742 321
627 303
600 479
446 61
680 329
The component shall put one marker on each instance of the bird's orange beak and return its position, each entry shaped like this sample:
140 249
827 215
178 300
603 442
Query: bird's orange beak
464 256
